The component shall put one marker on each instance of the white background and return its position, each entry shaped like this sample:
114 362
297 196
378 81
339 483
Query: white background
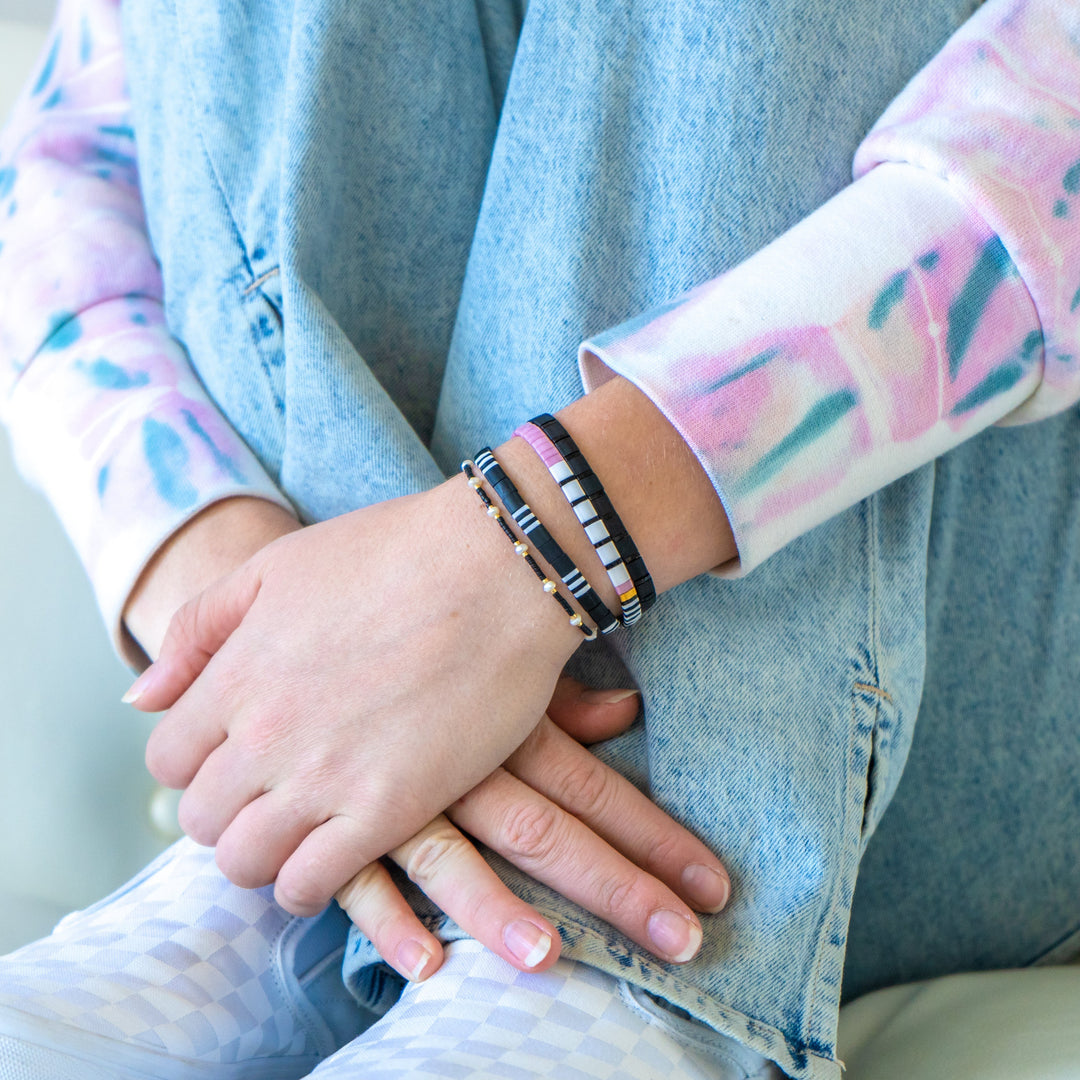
32 11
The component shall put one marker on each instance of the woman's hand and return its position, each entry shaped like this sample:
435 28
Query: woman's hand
561 815
554 809
347 684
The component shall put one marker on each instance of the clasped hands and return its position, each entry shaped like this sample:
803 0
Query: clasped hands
358 688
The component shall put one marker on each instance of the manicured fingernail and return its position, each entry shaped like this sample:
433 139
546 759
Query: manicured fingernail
138 687
706 887
527 942
412 958
607 697
674 936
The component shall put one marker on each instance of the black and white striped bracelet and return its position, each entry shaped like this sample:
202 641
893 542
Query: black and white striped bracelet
537 534
475 481
603 526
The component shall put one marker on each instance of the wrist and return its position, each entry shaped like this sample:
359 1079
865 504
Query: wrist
655 483
537 486
210 545
522 613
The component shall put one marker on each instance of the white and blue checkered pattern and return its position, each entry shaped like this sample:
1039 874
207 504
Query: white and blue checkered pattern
478 1018
181 974
177 967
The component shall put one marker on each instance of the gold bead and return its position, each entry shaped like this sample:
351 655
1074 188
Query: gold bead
575 620
549 585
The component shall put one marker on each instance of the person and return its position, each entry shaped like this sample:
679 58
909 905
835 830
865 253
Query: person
788 387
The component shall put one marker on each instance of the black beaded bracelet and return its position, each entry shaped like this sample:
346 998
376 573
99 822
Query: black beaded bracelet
467 467
593 508
537 534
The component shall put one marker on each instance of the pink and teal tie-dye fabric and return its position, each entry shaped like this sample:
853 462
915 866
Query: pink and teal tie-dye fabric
936 295
997 113
103 408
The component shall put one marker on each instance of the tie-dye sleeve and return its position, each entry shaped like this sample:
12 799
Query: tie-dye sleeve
104 411
936 295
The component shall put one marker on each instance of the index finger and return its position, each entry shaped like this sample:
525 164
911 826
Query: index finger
556 848
552 763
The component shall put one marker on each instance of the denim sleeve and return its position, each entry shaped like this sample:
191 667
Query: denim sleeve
936 295
104 411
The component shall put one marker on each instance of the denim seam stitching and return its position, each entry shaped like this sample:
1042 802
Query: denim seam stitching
436 922
689 996
246 271
215 175
823 945
691 993
812 1025
197 128
872 560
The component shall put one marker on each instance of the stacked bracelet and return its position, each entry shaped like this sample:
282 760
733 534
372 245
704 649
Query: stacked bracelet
467 467
604 528
537 534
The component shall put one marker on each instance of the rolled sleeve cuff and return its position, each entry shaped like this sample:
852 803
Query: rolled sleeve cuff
878 333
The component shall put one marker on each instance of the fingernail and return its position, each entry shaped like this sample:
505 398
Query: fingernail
138 687
706 887
607 697
412 957
676 937
527 942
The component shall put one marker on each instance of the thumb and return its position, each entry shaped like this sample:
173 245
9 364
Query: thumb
196 631
592 715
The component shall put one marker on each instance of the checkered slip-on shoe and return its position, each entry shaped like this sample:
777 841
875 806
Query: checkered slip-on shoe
178 974
478 1018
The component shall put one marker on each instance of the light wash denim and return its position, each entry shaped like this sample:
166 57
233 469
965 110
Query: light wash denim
385 228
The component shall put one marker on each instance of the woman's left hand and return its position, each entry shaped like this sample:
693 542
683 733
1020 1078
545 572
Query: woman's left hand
557 812
348 683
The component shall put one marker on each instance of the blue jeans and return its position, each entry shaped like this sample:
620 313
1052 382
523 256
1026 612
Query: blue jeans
384 230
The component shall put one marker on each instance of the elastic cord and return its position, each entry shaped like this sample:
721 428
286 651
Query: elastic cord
468 467
537 534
